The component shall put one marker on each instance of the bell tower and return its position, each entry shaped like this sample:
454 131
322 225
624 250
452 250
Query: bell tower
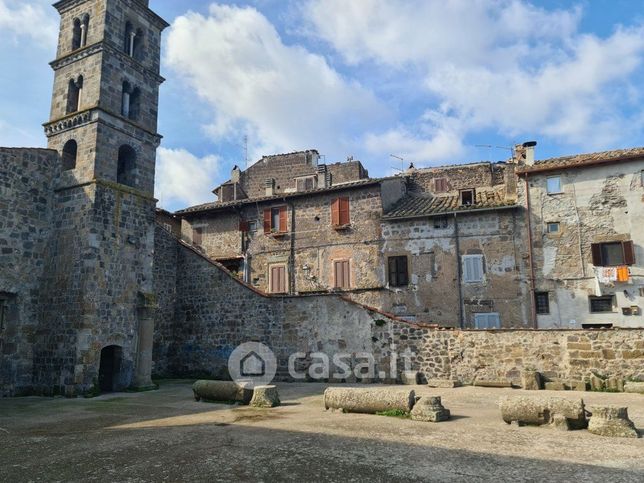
96 324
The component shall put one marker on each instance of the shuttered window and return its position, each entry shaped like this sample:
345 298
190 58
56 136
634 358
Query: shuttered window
440 185
398 273
278 279
487 321
342 274
611 254
197 237
340 215
275 220
473 268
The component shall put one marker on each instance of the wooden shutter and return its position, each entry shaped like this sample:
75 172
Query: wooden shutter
629 253
342 274
267 221
283 228
196 236
343 204
335 213
244 226
392 271
278 279
596 250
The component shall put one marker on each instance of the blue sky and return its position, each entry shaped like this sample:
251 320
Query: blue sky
429 81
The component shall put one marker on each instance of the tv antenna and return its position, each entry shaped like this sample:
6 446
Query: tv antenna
402 163
246 150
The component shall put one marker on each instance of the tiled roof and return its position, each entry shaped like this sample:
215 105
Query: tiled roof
216 205
584 160
413 206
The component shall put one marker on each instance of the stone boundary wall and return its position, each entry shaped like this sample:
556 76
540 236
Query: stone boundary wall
209 312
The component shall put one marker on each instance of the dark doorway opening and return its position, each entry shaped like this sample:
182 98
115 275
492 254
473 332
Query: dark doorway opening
110 367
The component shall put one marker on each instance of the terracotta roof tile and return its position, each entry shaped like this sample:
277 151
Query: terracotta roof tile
584 159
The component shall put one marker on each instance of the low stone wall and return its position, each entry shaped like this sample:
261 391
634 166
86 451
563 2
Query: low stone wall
207 313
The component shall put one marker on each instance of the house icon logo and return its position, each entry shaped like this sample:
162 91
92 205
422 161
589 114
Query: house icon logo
252 363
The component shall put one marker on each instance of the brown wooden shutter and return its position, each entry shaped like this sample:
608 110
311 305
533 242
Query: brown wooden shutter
283 219
243 226
343 211
596 250
335 212
403 275
196 236
392 271
629 253
337 275
346 276
267 221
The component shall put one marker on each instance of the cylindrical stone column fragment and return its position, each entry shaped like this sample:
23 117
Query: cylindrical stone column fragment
223 391
368 400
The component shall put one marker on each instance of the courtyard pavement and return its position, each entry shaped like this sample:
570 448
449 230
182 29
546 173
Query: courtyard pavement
165 435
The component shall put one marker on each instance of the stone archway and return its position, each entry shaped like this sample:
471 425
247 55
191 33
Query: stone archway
110 368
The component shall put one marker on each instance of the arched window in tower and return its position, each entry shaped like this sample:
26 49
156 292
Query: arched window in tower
133 41
126 167
70 151
76 34
137 47
135 103
84 27
74 94
125 99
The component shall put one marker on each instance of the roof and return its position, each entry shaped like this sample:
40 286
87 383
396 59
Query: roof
587 159
216 205
416 206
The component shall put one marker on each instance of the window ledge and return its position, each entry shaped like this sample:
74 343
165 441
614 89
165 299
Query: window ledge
342 227
277 234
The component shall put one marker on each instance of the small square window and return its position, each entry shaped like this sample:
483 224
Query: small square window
487 321
601 304
542 302
553 228
468 197
252 226
553 184
440 222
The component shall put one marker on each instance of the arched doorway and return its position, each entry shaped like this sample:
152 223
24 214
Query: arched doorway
110 368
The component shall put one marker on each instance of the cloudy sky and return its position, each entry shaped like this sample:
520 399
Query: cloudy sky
429 81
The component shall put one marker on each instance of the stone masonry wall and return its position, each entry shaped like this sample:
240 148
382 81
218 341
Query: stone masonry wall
214 313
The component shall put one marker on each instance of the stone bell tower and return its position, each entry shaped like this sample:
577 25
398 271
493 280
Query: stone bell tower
96 319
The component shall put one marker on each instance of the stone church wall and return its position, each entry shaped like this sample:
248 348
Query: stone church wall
26 199
214 312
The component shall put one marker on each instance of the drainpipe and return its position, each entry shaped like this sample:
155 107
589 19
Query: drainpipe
459 276
533 309
291 271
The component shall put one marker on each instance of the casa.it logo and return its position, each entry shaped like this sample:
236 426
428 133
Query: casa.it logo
253 363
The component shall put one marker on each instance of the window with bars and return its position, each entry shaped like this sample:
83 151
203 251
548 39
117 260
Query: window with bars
341 274
601 304
473 268
277 280
398 271
542 302
611 254
340 215
487 321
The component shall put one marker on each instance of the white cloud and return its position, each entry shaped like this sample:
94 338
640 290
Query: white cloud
503 65
29 19
284 96
183 179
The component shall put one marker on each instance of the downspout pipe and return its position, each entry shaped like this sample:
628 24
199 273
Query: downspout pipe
459 275
291 263
533 309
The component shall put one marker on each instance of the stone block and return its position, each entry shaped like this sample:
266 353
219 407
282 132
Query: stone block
597 383
554 386
531 380
577 385
634 387
429 409
265 397
410 377
446 383
558 412
611 421
615 384
485 383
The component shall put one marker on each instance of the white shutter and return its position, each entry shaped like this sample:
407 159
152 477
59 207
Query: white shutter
472 268
487 321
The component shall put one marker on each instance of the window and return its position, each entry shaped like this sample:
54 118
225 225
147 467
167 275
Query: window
197 235
601 304
74 94
611 254
440 222
252 226
305 184
468 197
542 302
553 184
126 166
341 274
398 271
79 32
275 220
553 228
130 101
440 185
487 321
340 212
132 41
70 150
3 313
277 280
473 268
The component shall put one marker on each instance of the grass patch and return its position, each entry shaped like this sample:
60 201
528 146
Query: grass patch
394 413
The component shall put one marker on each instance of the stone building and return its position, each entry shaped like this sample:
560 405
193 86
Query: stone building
78 219
585 213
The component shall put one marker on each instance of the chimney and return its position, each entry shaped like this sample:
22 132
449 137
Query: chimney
235 175
324 176
270 186
529 152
